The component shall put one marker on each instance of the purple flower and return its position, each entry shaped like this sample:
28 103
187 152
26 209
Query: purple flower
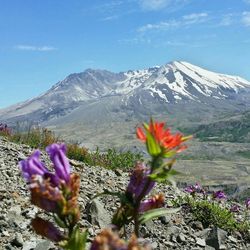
44 195
247 202
197 187
57 153
32 166
192 189
108 240
235 208
189 189
156 201
220 195
138 179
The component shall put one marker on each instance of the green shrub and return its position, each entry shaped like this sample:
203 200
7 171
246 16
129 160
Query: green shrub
74 151
4 130
112 159
212 213
35 137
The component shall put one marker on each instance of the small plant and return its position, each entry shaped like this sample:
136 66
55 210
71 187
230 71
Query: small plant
135 206
5 130
35 137
110 159
194 189
77 152
113 159
210 212
56 193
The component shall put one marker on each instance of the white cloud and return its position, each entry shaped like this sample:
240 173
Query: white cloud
159 26
184 44
35 48
195 18
154 4
136 40
247 1
227 20
186 20
110 18
246 18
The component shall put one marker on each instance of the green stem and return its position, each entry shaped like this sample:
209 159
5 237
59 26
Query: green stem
155 163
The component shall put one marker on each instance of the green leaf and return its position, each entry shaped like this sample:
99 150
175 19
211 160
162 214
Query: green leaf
163 173
77 240
153 147
59 222
169 154
155 213
146 126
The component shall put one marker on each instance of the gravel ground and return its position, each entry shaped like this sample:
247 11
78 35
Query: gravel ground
176 231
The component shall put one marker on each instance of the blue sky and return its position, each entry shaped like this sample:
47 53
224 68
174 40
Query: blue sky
41 42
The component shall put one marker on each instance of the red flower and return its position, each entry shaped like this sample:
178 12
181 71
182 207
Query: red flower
162 137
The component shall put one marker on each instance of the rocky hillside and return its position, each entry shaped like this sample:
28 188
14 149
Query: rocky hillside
178 231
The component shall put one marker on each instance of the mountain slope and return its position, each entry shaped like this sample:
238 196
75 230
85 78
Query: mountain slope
176 82
98 100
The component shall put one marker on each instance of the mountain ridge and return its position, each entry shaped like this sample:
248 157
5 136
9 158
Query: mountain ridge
172 82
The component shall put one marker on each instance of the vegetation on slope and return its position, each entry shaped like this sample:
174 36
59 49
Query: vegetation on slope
233 129
42 137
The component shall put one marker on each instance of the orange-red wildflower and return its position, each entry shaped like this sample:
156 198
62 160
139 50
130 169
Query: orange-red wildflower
162 136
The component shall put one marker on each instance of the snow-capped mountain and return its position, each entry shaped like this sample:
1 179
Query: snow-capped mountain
181 81
173 83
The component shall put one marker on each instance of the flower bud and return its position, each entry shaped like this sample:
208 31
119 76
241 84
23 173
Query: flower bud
57 153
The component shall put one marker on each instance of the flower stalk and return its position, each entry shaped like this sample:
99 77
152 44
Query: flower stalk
56 193
161 144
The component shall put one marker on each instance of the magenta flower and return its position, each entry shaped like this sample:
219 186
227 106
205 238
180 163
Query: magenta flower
247 202
235 208
189 189
57 153
138 180
192 189
197 187
156 201
33 166
220 195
